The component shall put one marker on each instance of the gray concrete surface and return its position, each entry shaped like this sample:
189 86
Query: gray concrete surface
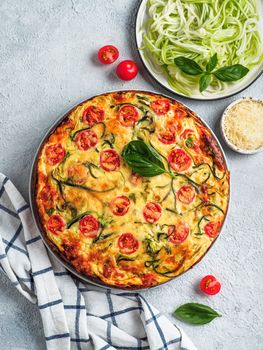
47 60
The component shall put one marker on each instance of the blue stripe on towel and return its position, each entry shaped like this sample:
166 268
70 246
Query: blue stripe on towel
33 240
17 233
2 190
165 347
24 207
40 272
52 303
8 211
57 336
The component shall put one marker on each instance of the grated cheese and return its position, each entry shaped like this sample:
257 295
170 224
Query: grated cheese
243 125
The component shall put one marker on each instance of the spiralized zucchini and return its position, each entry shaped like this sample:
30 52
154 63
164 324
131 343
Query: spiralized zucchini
197 29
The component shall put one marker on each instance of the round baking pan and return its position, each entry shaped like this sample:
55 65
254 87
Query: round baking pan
32 198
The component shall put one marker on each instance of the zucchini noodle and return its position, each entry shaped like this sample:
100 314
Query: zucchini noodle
197 29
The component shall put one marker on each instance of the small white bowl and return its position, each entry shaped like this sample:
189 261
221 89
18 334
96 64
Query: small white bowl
222 123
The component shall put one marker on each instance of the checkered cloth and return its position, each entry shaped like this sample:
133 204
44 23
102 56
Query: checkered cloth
75 315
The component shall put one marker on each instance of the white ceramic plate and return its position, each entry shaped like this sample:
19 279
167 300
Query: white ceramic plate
160 77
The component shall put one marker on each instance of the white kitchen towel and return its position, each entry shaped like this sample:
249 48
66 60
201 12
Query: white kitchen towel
75 315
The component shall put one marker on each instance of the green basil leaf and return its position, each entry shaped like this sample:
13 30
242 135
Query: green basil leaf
188 66
195 313
143 159
212 63
204 82
231 73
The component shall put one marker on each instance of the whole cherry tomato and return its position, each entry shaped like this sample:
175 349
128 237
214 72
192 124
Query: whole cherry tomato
127 70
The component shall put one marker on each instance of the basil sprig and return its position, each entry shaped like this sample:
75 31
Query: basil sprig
195 313
143 159
226 74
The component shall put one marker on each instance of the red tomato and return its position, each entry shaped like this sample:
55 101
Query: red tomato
56 224
109 160
86 139
152 212
128 115
186 133
178 233
55 154
127 70
167 137
212 228
120 205
89 226
92 115
108 54
160 107
127 243
210 285
179 160
186 194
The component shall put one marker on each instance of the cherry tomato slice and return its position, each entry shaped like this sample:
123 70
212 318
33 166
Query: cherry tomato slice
127 243
160 107
186 133
128 115
152 212
108 54
56 224
179 160
167 137
186 194
89 226
86 139
127 70
92 115
212 228
109 160
120 205
178 233
55 154
210 285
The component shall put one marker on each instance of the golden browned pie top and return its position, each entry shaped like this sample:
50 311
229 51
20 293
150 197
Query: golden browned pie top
113 224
